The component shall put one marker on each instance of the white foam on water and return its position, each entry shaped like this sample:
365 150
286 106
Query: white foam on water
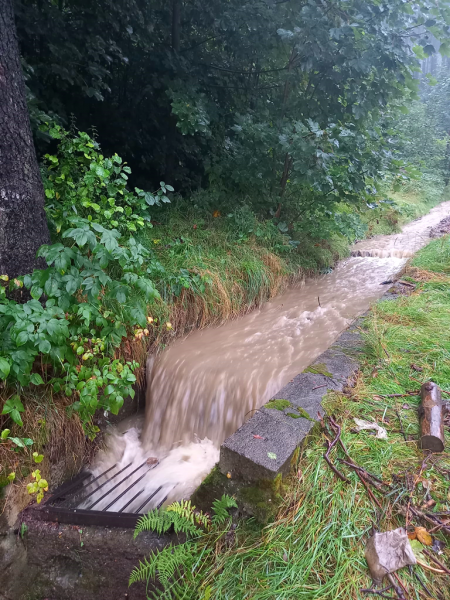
176 475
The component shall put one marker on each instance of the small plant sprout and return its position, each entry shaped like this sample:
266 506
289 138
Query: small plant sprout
38 458
23 529
37 487
18 442
11 477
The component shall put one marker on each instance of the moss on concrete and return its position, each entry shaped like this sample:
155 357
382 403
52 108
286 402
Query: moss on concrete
318 369
294 415
261 503
259 500
212 487
302 413
278 404
263 499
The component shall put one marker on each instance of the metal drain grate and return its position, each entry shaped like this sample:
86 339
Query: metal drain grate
74 502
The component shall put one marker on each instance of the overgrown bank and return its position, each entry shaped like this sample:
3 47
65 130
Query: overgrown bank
315 546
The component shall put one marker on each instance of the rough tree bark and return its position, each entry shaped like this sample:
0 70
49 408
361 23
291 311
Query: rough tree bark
23 226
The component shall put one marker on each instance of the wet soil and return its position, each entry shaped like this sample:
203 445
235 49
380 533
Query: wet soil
442 228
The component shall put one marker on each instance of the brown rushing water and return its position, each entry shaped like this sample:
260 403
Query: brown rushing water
202 387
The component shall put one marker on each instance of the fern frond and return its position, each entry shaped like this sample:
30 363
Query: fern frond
220 509
146 569
203 519
185 509
160 520
156 520
165 563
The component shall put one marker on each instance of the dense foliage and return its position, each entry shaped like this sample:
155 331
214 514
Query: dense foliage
263 99
95 291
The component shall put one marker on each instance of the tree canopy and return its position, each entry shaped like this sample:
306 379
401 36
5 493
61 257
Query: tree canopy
263 98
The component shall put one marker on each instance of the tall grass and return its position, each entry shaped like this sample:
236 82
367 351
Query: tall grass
412 202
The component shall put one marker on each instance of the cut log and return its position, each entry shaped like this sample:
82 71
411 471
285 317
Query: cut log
431 413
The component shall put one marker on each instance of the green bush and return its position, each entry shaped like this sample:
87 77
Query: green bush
80 180
95 289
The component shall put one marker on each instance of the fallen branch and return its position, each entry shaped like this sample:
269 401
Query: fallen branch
424 462
369 491
356 467
400 589
331 445
377 592
425 566
424 587
434 521
412 393
401 425
337 430
431 413
435 560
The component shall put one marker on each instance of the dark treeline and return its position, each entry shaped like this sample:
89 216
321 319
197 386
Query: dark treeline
268 100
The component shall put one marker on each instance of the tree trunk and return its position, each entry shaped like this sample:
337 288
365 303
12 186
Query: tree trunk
23 225
431 413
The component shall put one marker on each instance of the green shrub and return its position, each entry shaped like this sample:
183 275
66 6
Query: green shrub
95 290
79 180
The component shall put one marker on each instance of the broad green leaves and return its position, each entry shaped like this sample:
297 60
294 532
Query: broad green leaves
5 368
93 266
83 182
13 407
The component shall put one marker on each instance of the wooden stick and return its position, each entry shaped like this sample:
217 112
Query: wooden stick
427 591
397 589
365 473
413 393
369 491
435 521
401 583
440 571
434 559
377 592
330 447
431 415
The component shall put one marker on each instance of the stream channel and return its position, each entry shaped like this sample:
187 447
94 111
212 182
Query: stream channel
200 390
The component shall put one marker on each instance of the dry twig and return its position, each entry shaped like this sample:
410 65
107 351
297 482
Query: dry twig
331 445
435 560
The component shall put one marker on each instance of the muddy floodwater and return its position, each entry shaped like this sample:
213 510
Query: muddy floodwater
202 387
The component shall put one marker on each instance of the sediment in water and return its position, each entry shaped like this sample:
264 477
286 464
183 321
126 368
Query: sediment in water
202 388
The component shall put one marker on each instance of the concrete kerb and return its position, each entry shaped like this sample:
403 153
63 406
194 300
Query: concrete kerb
249 458
283 429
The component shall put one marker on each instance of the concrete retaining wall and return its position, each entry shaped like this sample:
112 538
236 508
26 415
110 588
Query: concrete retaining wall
286 419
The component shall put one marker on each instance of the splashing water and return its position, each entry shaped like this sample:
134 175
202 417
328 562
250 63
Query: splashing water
201 388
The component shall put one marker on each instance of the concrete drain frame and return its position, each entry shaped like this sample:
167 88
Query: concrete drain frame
63 506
